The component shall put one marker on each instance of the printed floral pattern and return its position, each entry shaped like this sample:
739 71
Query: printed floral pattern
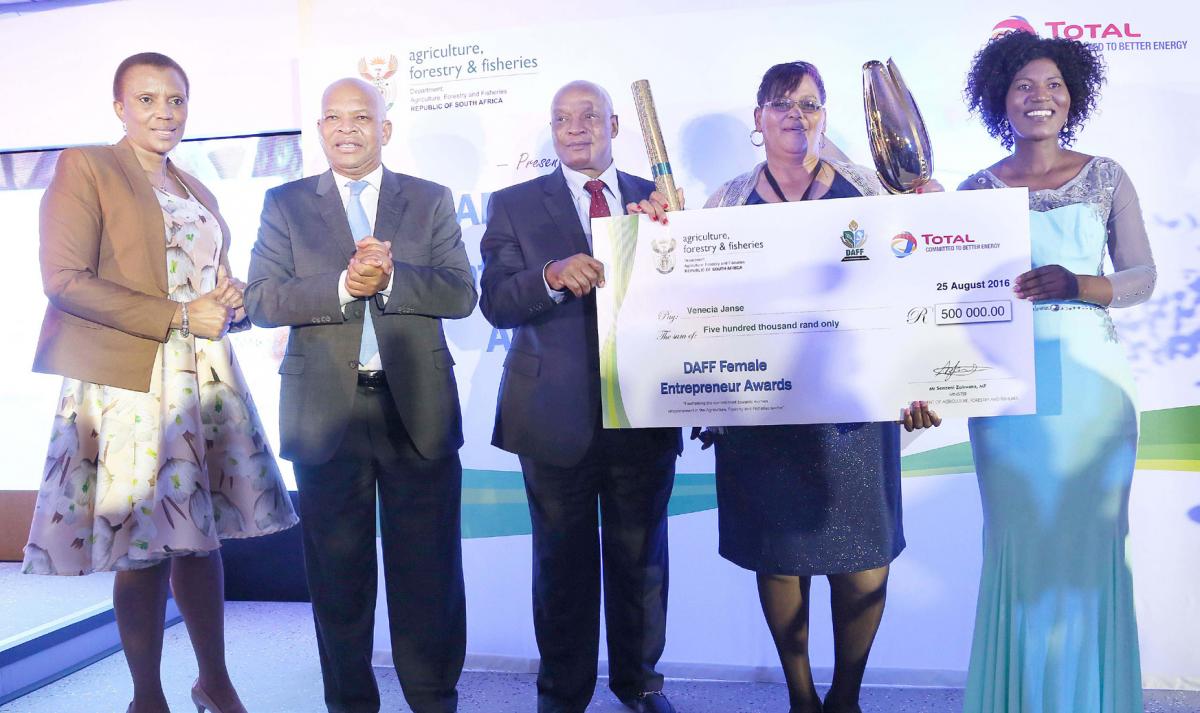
132 478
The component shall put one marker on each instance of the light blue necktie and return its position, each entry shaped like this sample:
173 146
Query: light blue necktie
360 228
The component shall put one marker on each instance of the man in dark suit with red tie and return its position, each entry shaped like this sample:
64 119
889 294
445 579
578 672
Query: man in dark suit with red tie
593 493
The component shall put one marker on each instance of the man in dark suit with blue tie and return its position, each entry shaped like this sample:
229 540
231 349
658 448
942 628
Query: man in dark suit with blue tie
363 264
593 493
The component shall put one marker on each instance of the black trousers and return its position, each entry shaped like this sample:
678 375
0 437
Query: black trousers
571 537
422 562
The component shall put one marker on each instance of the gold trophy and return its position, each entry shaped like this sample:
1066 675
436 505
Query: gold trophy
899 142
656 149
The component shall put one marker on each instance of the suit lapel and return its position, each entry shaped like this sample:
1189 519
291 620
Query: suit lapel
392 203
154 229
631 192
561 207
337 227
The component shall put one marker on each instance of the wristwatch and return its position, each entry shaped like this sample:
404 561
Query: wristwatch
184 330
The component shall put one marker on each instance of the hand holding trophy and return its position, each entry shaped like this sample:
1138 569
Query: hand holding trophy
899 142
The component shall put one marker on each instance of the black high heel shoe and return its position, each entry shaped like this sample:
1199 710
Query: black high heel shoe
814 707
827 708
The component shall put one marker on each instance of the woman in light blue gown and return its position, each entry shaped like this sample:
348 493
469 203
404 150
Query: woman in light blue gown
1055 630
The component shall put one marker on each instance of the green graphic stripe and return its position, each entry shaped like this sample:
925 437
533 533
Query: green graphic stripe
939 461
622 234
1172 426
1169 441
494 503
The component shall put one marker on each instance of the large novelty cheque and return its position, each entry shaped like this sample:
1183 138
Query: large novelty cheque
816 312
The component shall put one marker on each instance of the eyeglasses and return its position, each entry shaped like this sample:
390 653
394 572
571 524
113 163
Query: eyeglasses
807 105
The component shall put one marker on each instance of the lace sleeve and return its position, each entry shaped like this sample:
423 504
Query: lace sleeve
1134 276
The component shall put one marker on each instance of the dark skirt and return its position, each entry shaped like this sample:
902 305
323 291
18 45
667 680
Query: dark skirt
809 500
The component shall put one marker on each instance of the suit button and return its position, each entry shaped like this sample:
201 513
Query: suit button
352 364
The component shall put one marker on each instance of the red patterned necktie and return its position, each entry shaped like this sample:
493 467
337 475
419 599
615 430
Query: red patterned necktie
599 206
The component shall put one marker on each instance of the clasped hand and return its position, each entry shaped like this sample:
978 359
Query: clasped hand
210 314
370 269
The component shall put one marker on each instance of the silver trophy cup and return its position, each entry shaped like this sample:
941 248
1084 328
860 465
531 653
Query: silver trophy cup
899 142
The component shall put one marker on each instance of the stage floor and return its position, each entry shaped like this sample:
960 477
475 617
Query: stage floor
273 658
29 602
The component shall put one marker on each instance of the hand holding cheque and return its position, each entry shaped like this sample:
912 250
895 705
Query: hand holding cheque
861 305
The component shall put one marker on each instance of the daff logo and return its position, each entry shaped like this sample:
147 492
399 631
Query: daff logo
853 239
904 244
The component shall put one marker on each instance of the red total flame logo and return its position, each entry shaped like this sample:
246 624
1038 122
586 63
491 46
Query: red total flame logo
1013 23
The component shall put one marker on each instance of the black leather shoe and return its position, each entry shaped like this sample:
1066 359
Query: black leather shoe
649 702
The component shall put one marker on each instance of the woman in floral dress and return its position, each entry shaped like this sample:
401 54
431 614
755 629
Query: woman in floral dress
157 452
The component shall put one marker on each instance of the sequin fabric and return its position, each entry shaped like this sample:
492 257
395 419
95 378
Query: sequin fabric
1094 186
808 500
1107 327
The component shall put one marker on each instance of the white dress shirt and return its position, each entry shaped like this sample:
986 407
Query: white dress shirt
583 206
370 203
583 199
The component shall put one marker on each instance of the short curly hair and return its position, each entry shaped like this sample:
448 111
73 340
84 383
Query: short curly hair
994 67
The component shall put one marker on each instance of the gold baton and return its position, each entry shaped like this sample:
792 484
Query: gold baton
656 149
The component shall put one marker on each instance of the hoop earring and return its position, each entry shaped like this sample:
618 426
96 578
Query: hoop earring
761 138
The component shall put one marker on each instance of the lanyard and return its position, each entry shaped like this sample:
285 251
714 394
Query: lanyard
779 191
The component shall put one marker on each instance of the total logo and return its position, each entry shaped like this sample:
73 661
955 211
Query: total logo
1069 30
904 244
1091 30
932 239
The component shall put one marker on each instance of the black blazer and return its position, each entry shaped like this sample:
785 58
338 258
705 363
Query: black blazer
304 243
549 403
